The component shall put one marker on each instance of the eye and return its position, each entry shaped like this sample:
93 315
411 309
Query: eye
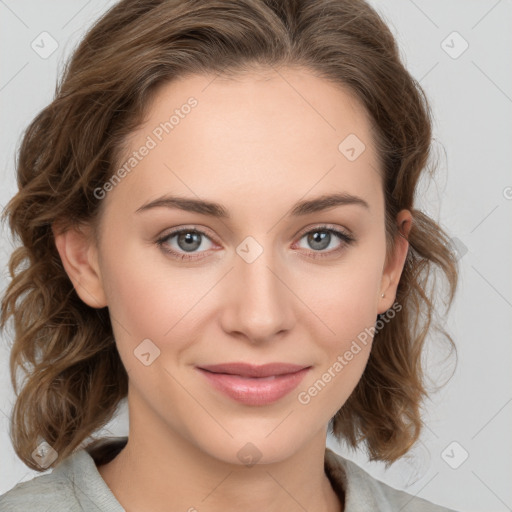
189 240
322 237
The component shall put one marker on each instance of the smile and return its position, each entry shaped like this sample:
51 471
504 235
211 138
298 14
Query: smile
254 385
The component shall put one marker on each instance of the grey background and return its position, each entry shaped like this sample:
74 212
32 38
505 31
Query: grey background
471 96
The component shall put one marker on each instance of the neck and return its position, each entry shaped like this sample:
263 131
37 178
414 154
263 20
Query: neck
155 470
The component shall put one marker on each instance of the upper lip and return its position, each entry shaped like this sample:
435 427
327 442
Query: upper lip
251 370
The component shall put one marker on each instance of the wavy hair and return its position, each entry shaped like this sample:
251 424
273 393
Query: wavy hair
72 376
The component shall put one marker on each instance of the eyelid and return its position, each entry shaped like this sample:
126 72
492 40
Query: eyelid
188 228
325 227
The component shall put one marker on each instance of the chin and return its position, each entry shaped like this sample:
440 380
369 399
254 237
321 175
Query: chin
254 446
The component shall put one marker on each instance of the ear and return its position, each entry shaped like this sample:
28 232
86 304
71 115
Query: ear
79 255
394 267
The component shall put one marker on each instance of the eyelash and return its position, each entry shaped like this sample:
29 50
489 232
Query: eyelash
342 236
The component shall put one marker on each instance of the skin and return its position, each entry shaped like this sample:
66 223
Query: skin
256 145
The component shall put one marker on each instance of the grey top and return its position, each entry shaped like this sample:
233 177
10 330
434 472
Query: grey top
75 485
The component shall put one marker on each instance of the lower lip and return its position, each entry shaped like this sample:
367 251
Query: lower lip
255 391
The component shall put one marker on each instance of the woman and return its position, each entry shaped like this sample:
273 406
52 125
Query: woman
240 335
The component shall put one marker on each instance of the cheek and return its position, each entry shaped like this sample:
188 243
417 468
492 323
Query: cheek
346 299
350 315
151 300
347 306
140 305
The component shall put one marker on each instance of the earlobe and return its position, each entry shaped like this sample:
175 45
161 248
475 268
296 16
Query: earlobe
394 268
79 256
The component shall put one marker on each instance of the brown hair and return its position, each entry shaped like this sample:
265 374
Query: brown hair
73 376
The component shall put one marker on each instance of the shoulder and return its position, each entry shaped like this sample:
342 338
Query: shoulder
364 492
74 485
48 492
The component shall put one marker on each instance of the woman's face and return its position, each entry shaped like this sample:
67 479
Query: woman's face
265 282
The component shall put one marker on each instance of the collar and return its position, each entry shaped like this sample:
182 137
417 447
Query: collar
355 488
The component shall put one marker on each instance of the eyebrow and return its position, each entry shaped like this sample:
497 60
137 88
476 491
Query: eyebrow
213 209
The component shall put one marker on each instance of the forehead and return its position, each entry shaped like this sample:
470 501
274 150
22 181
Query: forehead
276 132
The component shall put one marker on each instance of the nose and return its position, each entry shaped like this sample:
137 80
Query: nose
258 303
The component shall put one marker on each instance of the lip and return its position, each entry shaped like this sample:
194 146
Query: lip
254 385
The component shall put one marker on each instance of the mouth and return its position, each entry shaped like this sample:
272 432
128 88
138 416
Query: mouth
254 385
